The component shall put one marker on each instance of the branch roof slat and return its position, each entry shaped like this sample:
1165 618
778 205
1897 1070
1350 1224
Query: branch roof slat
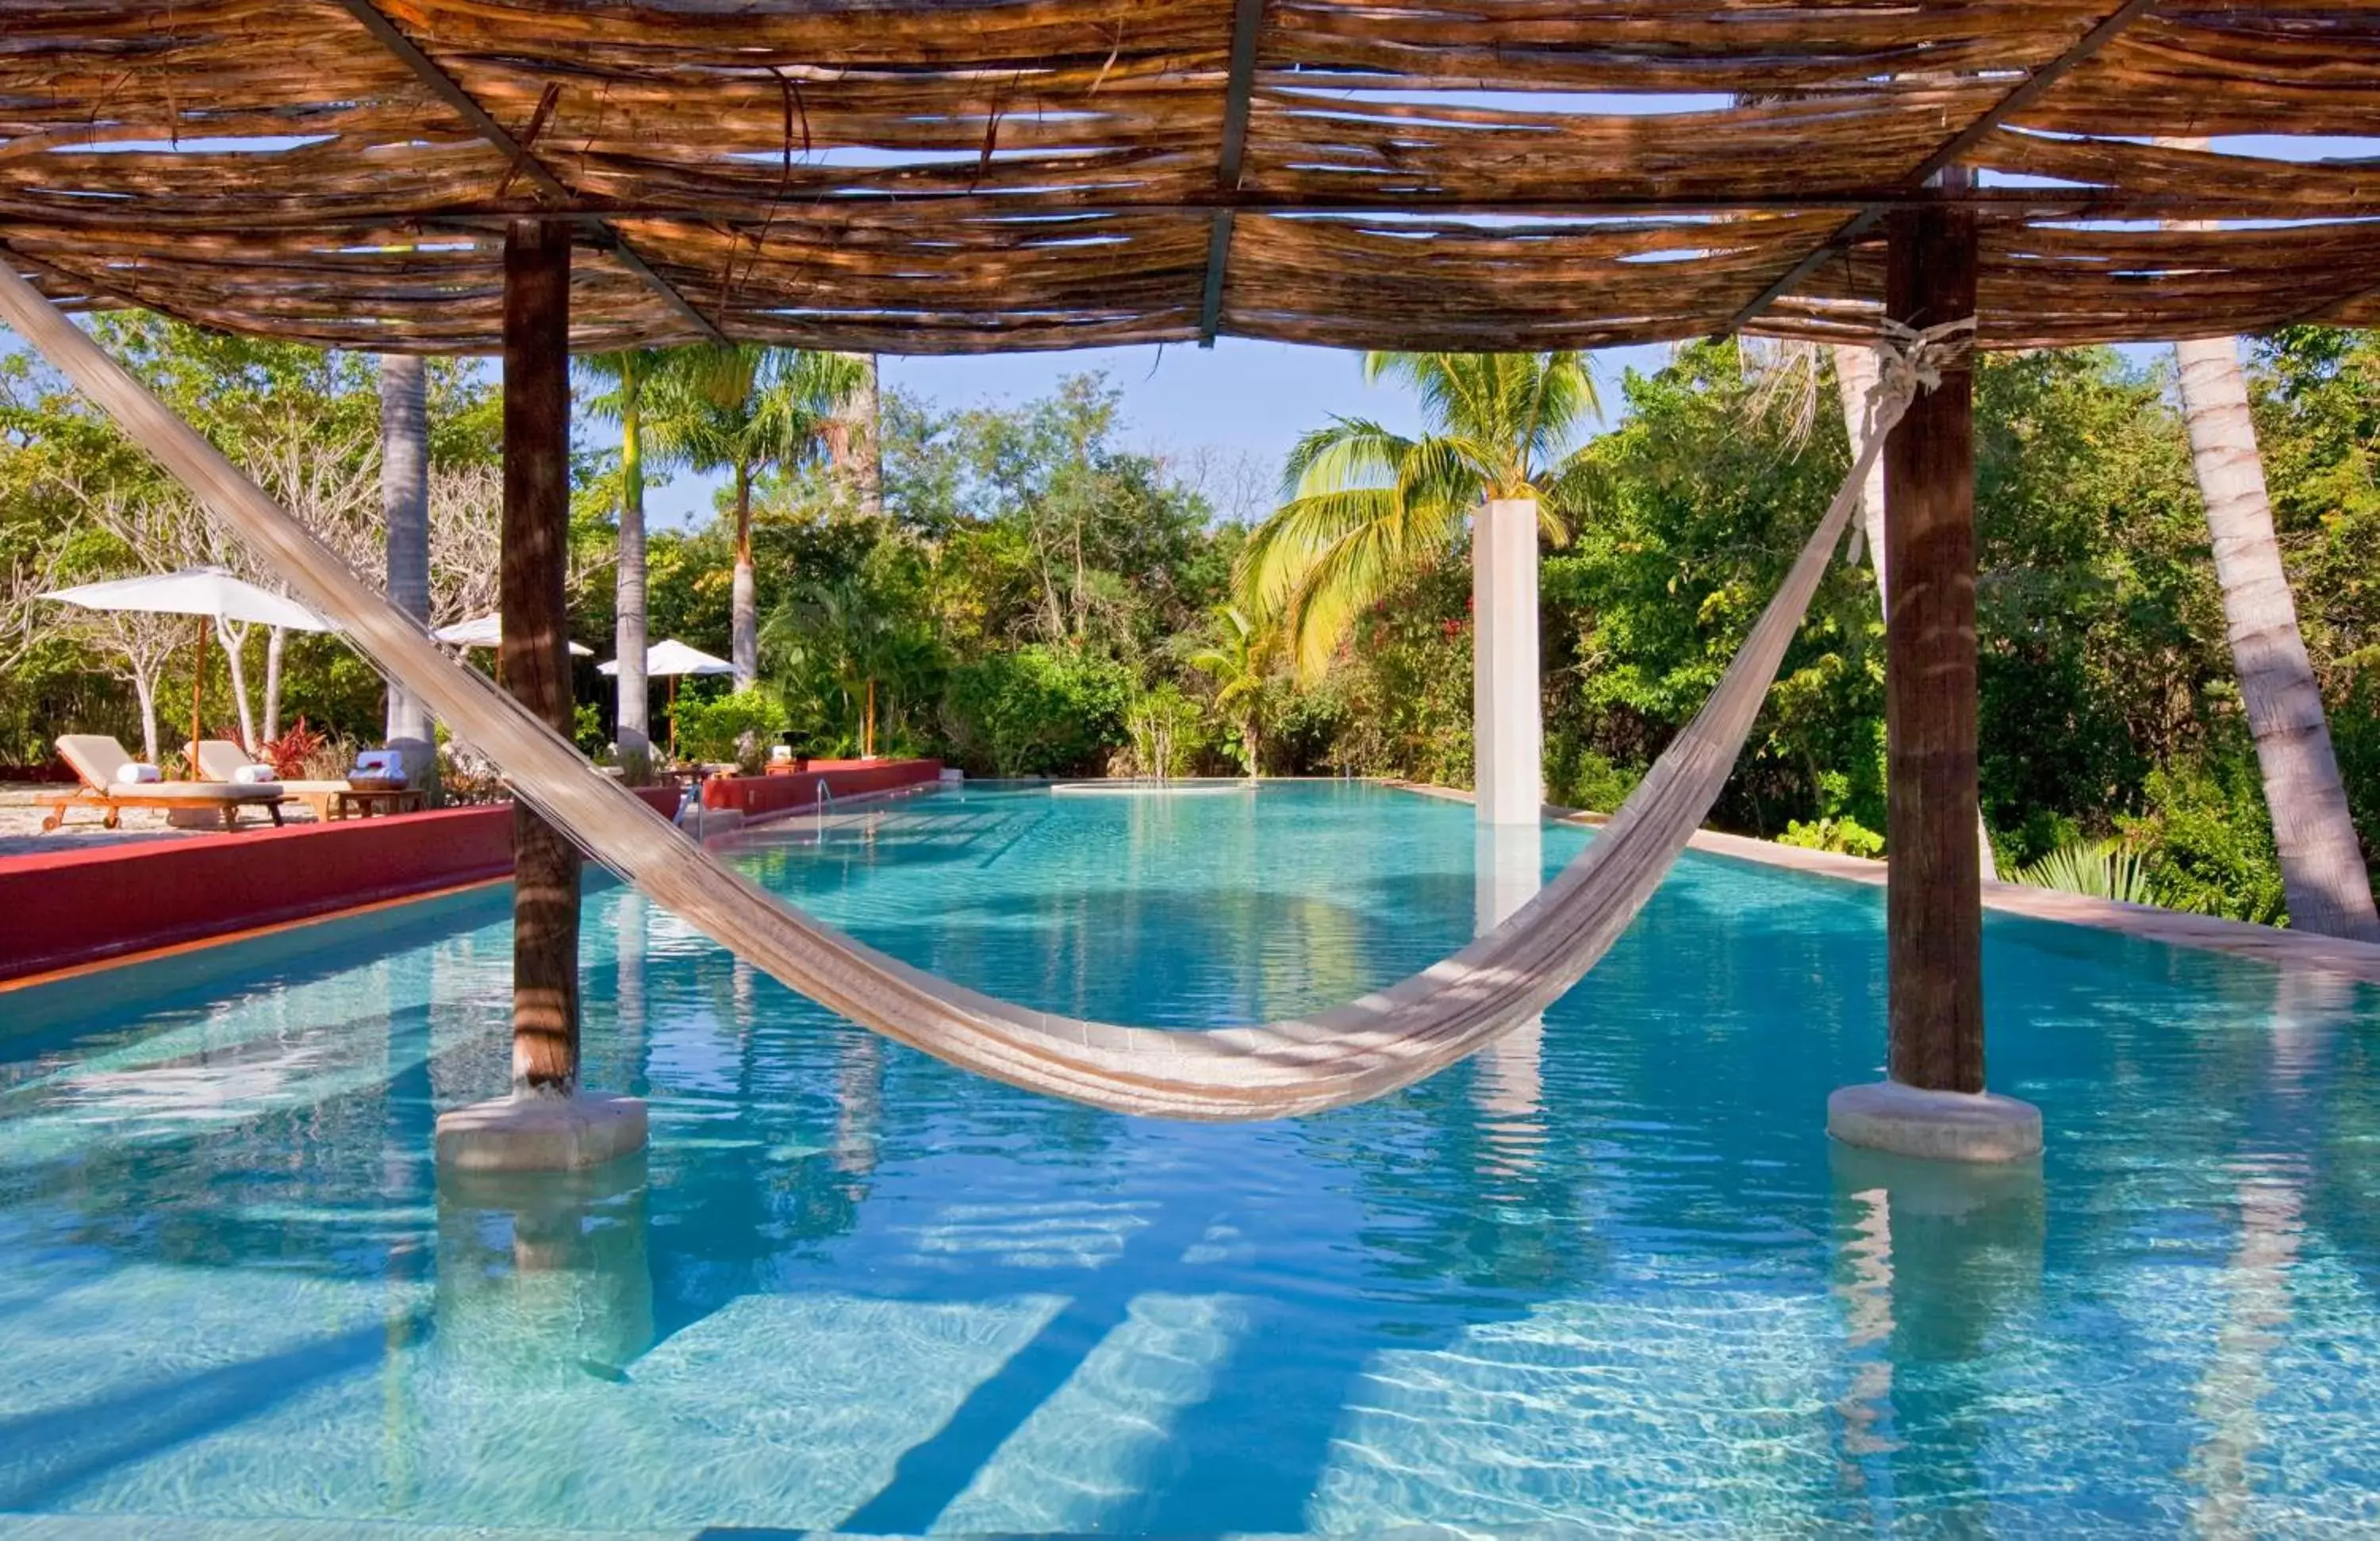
950 175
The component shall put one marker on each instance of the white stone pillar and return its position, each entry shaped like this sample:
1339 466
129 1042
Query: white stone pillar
1509 870
1509 740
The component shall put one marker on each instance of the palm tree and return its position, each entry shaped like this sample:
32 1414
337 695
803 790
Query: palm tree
1366 507
2328 888
746 409
2323 877
624 377
1238 662
404 510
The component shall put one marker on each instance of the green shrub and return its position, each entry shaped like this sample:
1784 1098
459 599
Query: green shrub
1579 777
2207 842
737 727
1168 733
1846 837
1039 710
586 731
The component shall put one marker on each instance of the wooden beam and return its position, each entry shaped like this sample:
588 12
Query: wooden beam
2319 315
533 661
2002 202
1934 901
1247 22
520 155
1947 153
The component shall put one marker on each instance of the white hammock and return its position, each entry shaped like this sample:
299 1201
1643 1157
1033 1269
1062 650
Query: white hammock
1331 1059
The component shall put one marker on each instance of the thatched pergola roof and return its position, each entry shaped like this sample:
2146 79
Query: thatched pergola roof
922 178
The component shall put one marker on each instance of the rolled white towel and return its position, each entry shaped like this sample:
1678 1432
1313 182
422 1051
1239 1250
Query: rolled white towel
137 774
252 775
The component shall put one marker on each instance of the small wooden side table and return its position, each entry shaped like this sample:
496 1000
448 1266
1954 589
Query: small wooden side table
349 802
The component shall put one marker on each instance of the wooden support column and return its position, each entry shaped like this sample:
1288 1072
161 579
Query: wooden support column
534 657
1932 1103
1934 906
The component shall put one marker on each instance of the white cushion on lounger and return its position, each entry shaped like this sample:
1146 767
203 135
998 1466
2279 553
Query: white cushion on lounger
133 774
250 775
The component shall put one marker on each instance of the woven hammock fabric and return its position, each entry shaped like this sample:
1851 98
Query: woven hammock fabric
1331 1059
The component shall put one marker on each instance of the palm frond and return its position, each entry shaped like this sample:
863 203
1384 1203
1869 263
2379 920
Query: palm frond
2096 869
1565 397
1349 452
1273 564
1445 473
1354 572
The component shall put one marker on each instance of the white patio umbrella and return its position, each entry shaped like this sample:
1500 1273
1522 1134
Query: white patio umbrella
488 631
208 593
667 660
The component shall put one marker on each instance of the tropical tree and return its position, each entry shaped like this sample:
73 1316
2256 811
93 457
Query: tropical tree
622 380
849 650
854 440
746 409
2322 866
1366 507
1238 661
404 517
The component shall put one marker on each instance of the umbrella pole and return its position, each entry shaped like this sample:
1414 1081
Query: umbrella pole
673 712
198 689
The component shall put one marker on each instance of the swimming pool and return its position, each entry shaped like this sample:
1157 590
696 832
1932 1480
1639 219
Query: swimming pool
1607 1276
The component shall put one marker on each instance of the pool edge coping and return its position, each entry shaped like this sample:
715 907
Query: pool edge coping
2270 944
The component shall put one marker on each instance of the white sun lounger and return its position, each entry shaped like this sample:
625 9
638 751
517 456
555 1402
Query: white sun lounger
97 759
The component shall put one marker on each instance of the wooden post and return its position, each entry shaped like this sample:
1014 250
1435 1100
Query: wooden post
1934 907
532 658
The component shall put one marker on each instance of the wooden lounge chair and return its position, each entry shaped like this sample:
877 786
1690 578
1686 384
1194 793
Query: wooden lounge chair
97 759
220 760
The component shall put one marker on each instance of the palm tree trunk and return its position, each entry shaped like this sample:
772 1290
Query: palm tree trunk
633 731
404 511
1856 375
2323 874
744 618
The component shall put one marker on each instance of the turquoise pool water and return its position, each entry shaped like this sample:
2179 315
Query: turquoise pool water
1610 1276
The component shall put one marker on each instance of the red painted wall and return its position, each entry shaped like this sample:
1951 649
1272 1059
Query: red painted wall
759 797
78 906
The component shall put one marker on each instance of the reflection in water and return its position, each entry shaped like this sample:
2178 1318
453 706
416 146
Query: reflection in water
2256 1311
859 1102
2306 1011
1866 1294
1936 1260
1509 1085
543 1277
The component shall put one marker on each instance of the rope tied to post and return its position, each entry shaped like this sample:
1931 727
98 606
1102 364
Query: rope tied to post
1910 362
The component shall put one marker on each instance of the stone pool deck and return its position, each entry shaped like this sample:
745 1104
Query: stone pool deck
2283 949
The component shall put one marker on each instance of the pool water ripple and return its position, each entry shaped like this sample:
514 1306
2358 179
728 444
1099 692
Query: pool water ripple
1608 1278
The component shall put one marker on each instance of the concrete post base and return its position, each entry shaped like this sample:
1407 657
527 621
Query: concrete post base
1942 1127
539 1133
